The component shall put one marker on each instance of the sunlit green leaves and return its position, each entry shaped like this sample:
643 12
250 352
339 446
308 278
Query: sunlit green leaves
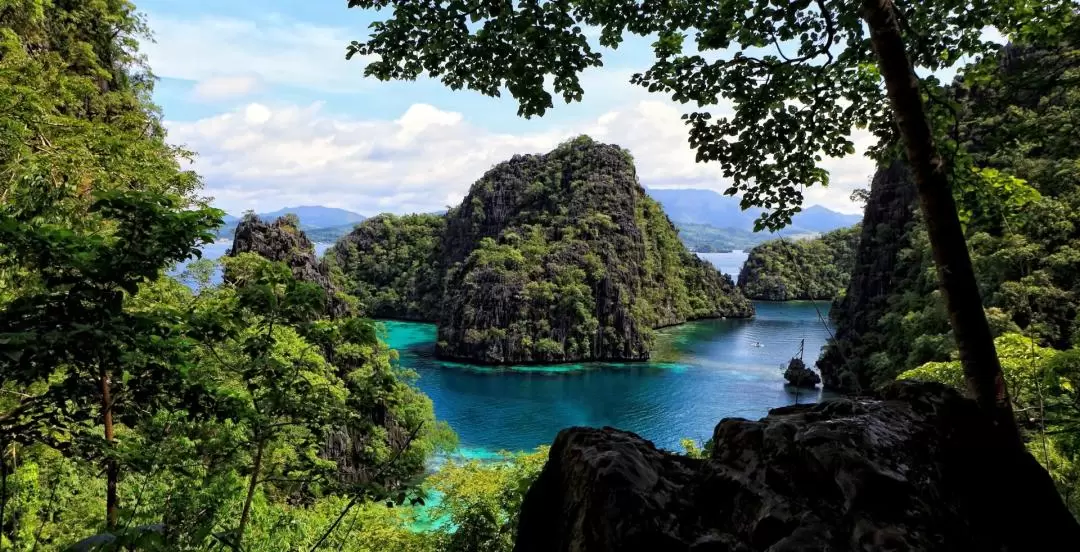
996 198
800 76
483 501
1022 363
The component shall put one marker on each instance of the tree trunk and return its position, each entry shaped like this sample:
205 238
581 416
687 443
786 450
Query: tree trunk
252 483
3 486
112 469
982 370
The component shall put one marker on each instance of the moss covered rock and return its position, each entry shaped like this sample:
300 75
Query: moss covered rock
550 258
563 257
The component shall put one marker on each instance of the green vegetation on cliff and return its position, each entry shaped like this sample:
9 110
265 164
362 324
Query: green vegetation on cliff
155 415
392 265
550 258
1021 209
795 269
562 257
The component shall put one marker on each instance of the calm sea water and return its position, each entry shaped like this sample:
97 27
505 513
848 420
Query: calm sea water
728 263
701 372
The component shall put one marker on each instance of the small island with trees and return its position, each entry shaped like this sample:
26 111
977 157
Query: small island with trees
550 258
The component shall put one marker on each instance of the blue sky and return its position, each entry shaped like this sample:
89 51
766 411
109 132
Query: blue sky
262 92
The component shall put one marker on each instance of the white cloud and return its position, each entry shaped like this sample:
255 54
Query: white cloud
267 156
273 50
226 87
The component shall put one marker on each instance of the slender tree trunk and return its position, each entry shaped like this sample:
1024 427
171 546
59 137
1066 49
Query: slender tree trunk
112 469
3 486
252 483
982 370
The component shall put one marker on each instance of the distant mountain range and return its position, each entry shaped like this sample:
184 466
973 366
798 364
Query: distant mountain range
314 219
702 238
713 209
707 221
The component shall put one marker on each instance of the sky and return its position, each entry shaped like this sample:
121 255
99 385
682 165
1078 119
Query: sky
261 91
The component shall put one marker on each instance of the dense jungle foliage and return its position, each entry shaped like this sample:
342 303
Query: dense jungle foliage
809 268
142 410
1020 211
562 257
392 265
1016 136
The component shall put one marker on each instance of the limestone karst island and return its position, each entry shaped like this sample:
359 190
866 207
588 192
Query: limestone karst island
534 276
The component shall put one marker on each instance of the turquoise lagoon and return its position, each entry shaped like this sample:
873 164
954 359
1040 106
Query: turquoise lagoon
701 372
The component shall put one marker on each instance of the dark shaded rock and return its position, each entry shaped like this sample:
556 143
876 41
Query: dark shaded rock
283 241
886 230
563 257
921 469
799 375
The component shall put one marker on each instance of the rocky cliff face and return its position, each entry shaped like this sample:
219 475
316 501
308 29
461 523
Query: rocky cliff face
918 470
886 231
562 257
283 241
1021 213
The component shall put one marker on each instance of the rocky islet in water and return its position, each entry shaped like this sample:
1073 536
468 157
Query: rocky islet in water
559 257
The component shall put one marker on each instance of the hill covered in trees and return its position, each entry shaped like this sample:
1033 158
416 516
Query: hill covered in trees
1019 201
550 258
703 238
794 269
392 265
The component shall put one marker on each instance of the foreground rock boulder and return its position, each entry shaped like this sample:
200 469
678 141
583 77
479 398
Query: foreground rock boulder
918 470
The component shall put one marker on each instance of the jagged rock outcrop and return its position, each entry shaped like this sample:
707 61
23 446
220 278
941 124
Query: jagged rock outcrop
1021 215
886 230
283 241
563 257
798 375
550 258
919 470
